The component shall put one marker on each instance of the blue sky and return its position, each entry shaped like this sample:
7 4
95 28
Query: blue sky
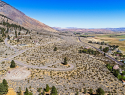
74 13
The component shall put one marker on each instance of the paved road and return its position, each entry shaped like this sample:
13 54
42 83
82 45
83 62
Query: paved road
103 53
45 67
8 45
32 66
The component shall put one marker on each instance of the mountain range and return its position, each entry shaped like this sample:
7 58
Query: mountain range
84 30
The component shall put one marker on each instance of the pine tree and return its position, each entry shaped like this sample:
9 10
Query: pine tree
16 34
30 93
77 93
47 88
8 37
18 40
85 91
104 54
19 33
39 89
65 61
13 65
53 91
19 93
2 89
100 91
90 91
43 92
55 49
26 92
5 85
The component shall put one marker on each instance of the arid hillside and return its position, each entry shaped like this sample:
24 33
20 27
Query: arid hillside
22 19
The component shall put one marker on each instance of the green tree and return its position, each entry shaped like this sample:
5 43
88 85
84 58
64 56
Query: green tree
8 37
16 34
100 47
5 83
30 93
77 93
109 67
2 89
109 94
13 65
80 51
89 41
100 91
65 61
104 54
39 89
19 33
7 30
19 93
116 72
90 91
3 35
85 91
55 49
53 91
106 49
43 92
18 40
123 72
26 92
119 77
47 88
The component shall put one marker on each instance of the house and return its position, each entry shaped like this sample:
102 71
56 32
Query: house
118 51
87 47
123 82
116 67
110 52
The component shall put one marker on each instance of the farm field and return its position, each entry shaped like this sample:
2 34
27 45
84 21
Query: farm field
112 39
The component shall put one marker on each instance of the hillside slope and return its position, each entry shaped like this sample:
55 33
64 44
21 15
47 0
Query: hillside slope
22 19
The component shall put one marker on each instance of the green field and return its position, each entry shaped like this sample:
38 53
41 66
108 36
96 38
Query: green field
112 36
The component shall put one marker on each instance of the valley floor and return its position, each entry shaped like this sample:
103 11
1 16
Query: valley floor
86 71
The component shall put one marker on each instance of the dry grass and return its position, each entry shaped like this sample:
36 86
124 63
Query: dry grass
11 92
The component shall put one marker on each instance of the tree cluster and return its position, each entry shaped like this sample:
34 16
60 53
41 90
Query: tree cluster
116 73
13 25
88 51
101 43
47 89
27 92
99 91
113 46
106 49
